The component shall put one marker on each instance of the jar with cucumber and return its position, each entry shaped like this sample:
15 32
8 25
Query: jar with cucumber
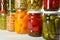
49 29
2 20
3 10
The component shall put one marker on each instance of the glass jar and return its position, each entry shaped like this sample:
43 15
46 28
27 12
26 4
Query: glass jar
2 20
10 20
11 4
34 4
20 5
3 5
49 28
51 5
35 24
21 22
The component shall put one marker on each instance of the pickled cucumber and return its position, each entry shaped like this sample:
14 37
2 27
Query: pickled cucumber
51 30
45 31
57 24
53 16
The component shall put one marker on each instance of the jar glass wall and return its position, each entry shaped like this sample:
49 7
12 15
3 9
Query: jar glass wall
3 5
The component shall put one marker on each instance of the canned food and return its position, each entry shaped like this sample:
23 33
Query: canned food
51 5
20 4
2 20
11 4
10 20
34 4
49 28
21 22
35 24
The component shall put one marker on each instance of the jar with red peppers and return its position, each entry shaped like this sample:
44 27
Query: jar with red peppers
3 5
10 20
51 5
35 23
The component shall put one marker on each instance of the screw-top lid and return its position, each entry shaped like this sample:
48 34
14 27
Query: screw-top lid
2 11
11 11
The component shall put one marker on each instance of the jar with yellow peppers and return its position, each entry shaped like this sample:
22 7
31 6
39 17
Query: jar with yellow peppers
21 22
35 23
34 4
10 20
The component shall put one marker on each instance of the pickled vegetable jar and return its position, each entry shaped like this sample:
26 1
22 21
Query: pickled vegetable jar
21 22
20 4
10 20
3 5
35 24
11 4
51 5
34 4
2 20
57 24
49 28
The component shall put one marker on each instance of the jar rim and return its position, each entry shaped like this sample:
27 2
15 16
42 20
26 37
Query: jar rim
35 12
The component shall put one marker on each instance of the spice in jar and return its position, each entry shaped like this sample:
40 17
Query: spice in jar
20 5
49 26
34 4
2 20
11 20
35 24
51 5
21 22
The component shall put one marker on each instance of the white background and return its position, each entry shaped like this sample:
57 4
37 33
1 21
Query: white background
6 35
